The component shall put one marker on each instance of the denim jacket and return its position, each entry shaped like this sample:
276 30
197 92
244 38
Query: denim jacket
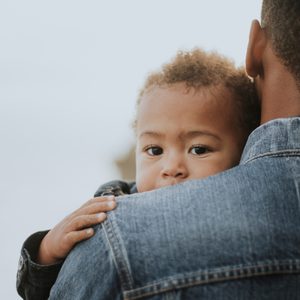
235 235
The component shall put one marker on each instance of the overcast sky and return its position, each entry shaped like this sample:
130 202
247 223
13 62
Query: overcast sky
70 72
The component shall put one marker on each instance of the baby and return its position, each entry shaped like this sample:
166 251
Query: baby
193 119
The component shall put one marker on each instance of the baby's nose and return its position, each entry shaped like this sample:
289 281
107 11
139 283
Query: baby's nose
174 167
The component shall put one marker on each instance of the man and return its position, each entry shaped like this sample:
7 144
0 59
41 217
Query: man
235 235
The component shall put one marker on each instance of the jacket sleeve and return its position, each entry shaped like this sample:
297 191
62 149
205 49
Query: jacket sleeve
34 281
116 188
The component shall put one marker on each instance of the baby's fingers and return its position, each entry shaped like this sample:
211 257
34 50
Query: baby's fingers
99 199
74 237
85 221
97 207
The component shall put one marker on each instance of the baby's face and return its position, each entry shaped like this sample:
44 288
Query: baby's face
185 134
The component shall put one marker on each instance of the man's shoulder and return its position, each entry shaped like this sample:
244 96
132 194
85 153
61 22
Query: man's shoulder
197 227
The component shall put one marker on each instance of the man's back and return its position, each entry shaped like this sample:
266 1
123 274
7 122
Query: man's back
242 240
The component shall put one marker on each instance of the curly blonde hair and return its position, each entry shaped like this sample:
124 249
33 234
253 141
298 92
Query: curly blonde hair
199 69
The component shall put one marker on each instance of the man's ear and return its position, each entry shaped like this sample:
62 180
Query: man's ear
255 50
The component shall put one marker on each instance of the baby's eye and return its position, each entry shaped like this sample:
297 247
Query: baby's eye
154 150
198 150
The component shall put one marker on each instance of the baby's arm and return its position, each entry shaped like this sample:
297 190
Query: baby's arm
43 253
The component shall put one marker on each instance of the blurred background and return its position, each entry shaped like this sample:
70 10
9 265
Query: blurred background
70 72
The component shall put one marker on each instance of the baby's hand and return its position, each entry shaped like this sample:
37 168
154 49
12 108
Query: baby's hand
76 227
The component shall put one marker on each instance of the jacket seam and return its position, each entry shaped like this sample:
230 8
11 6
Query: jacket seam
283 153
119 253
214 276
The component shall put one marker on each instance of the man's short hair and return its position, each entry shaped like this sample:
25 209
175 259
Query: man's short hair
281 20
199 69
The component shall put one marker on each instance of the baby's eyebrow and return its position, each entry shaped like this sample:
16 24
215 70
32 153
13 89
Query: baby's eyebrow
184 135
196 133
151 133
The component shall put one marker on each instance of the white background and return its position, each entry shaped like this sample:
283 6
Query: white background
69 75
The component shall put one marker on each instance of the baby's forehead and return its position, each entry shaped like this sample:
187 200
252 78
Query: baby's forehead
218 97
213 92
178 103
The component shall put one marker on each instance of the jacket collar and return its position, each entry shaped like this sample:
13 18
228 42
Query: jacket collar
276 137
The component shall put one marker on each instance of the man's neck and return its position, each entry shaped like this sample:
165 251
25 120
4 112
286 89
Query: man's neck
280 94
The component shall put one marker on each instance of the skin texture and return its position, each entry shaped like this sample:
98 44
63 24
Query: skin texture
185 134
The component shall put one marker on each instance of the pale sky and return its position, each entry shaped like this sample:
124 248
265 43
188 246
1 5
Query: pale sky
70 72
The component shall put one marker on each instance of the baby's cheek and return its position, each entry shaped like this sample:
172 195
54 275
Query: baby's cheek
224 163
140 180
147 174
211 167
142 184
144 181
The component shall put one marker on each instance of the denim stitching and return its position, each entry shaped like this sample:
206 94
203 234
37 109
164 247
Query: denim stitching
282 153
119 252
213 276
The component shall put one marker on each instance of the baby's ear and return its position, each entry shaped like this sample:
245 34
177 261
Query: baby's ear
255 50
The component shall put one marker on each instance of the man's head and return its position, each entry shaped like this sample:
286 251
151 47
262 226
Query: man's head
281 21
193 119
273 58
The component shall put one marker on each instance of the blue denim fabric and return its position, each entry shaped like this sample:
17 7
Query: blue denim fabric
235 235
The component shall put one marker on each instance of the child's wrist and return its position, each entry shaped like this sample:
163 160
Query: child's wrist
44 257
